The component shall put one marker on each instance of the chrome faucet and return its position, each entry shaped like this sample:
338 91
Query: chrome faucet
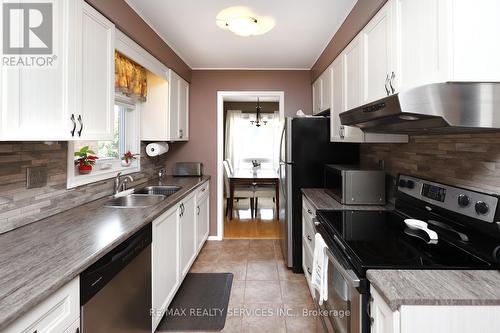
121 182
162 173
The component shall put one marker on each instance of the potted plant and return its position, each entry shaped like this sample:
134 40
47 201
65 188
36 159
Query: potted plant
128 158
86 159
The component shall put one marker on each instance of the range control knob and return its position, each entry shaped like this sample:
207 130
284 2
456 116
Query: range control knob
402 183
463 200
410 184
482 208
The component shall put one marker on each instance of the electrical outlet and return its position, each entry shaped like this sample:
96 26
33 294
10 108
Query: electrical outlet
36 177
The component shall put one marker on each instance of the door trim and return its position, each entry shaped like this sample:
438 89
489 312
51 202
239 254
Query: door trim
220 146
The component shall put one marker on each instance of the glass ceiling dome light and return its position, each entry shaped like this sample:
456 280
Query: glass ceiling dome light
242 22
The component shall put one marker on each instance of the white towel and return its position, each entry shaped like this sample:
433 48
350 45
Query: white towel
320 268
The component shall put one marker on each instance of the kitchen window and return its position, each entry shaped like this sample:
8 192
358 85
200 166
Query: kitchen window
109 152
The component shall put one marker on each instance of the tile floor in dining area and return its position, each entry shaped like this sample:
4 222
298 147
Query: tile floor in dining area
265 295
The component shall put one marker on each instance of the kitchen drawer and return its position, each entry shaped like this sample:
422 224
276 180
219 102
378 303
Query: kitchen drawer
55 314
203 190
308 208
74 328
308 230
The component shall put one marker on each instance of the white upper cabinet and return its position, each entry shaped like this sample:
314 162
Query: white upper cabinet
35 100
96 72
456 43
353 73
420 28
165 114
322 99
378 51
73 98
316 91
183 111
338 132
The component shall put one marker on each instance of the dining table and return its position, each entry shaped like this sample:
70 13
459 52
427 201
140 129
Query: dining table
253 177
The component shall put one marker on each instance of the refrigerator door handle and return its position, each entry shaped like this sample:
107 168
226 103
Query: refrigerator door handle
281 143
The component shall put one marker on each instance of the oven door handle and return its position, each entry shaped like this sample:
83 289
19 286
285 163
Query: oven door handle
348 274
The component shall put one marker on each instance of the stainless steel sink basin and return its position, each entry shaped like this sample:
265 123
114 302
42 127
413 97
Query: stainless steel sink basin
135 201
165 190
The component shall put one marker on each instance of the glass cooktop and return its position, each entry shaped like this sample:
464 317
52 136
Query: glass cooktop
381 240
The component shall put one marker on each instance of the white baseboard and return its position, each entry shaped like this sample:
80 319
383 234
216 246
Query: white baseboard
214 238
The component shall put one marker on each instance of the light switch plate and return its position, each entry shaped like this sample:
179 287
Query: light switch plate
36 177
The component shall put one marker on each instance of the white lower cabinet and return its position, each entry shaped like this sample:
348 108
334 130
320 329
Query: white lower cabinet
178 235
432 318
165 262
60 312
202 215
187 227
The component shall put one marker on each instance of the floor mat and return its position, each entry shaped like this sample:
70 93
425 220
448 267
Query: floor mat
200 304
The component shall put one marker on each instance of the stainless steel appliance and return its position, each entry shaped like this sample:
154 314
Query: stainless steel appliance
450 107
353 185
468 238
115 292
192 169
304 150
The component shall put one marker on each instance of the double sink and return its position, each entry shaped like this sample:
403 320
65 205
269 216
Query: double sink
143 197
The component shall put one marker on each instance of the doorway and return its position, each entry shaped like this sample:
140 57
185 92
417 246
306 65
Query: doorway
248 133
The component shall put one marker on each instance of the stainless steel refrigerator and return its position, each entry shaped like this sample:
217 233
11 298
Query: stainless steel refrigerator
304 150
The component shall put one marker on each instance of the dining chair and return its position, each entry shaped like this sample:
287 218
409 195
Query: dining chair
263 191
231 169
240 191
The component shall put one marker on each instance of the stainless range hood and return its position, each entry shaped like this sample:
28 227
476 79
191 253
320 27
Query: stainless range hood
453 107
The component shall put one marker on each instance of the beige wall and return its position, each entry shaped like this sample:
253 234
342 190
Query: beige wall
360 15
127 20
202 145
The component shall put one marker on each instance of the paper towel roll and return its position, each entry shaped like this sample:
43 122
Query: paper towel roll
156 148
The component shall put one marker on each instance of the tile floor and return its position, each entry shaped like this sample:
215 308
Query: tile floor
265 295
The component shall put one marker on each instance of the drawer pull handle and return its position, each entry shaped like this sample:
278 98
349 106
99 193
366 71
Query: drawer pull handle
309 238
203 190
80 120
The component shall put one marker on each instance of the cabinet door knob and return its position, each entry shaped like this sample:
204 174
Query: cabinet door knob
393 76
309 238
309 211
80 120
309 271
74 125
385 85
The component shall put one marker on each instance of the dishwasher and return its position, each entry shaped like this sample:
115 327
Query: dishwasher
115 292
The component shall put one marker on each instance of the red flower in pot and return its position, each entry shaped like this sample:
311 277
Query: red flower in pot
86 159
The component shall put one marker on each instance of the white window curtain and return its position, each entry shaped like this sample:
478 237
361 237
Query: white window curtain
246 142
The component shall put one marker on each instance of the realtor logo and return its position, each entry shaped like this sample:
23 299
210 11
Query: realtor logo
27 28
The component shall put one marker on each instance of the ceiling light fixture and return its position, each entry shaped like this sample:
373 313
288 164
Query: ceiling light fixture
243 22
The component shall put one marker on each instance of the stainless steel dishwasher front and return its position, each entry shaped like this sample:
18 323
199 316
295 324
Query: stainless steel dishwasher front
115 292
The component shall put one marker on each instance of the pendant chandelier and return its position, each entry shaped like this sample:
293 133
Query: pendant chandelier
258 116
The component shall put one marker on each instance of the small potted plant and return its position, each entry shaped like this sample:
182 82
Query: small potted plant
86 160
128 158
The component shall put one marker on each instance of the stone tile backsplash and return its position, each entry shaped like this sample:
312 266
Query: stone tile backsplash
20 206
467 160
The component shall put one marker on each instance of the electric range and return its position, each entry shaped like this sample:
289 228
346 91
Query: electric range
455 228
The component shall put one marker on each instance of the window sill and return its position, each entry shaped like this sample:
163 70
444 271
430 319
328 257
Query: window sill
76 179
